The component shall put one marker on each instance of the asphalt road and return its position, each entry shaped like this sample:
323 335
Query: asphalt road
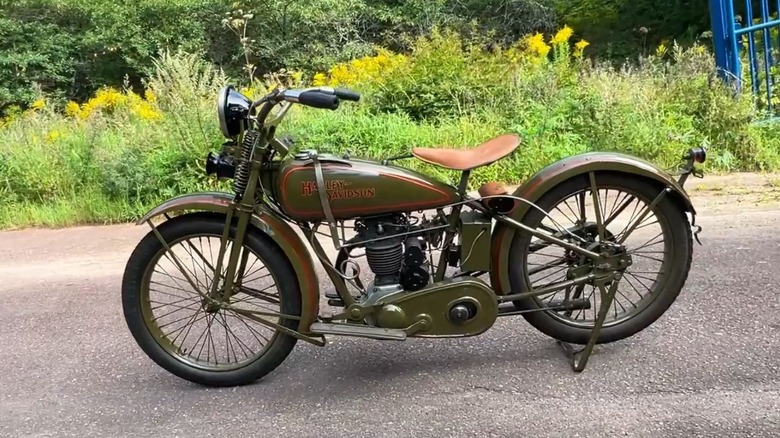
707 368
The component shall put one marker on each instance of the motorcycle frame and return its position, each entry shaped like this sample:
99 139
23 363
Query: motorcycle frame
242 210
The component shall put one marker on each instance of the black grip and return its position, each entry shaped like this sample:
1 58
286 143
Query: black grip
318 100
347 94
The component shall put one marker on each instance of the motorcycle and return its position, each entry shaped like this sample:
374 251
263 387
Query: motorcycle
552 251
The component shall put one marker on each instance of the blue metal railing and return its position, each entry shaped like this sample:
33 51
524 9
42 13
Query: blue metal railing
729 34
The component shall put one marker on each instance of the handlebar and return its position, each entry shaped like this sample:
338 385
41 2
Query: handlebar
347 94
319 97
315 97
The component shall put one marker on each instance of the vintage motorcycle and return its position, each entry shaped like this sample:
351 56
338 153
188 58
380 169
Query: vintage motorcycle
222 290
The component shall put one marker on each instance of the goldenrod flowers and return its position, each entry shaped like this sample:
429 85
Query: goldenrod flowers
109 99
367 68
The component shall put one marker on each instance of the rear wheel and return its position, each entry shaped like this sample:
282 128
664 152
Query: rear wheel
200 339
660 246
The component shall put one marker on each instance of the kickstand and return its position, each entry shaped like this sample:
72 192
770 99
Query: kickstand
579 358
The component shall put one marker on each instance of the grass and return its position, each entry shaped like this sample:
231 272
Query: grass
119 154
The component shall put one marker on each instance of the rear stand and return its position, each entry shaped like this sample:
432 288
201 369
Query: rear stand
579 358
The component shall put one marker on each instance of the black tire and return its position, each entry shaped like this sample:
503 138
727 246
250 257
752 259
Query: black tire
676 231
142 262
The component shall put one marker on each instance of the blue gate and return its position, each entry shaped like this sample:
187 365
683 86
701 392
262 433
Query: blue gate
746 36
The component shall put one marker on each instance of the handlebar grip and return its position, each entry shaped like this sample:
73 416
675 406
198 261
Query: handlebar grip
347 94
318 100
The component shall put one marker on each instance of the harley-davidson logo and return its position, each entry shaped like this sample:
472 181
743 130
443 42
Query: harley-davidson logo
337 189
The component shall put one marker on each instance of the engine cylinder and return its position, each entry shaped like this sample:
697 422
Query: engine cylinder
385 260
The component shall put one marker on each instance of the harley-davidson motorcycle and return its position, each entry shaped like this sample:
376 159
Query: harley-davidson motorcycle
592 249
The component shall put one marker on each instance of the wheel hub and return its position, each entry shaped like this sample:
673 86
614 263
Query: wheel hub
614 256
210 305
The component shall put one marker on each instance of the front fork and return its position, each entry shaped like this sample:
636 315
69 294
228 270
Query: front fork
243 209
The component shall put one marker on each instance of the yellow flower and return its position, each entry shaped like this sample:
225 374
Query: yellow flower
580 47
38 104
319 80
581 44
661 50
108 97
150 95
144 109
536 44
88 109
52 136
146 112
296 77
366 69
340 74
562 36
72 109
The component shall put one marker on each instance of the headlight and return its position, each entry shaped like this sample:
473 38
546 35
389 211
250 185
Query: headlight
232 110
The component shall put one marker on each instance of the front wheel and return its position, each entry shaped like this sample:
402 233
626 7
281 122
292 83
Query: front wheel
201 339
660 246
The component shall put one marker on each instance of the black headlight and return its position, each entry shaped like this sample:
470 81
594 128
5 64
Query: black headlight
232 109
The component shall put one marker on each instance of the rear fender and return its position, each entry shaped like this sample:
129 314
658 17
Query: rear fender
558 172
263 220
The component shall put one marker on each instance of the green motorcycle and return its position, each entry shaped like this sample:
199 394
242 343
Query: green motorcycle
221 291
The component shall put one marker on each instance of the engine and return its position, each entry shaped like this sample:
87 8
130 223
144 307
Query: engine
397 258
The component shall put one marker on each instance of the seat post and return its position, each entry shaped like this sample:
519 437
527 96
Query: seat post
464 181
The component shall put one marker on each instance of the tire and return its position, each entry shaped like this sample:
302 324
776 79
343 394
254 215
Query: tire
677 260
135 295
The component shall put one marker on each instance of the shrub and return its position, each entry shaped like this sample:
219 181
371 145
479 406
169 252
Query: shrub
118 153
71 48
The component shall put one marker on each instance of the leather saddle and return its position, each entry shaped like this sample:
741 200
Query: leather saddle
468 159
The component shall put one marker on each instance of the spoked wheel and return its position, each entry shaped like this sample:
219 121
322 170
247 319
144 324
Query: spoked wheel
195 334
660 246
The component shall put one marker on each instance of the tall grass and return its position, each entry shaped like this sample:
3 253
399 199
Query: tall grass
117 155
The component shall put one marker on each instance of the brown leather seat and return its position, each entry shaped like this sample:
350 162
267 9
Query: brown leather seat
467 159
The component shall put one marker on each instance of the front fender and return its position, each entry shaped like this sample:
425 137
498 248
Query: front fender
266 222
558 172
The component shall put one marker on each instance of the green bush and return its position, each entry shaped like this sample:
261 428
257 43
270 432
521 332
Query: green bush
70 48
120 153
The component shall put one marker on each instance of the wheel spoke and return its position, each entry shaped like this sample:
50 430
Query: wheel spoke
613 214
650 242
194 282
581 204
241 343
192 296
238 316
631 283
647 257
565 215
575 222
549 275
597 206
627 298
258 294
547 266
173 304
640 219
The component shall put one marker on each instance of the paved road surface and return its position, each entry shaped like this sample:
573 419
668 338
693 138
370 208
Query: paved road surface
708 368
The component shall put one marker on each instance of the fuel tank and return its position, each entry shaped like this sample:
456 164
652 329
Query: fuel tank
355 188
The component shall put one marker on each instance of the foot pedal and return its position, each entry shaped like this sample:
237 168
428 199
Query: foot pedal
360 331
575 304
335 300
